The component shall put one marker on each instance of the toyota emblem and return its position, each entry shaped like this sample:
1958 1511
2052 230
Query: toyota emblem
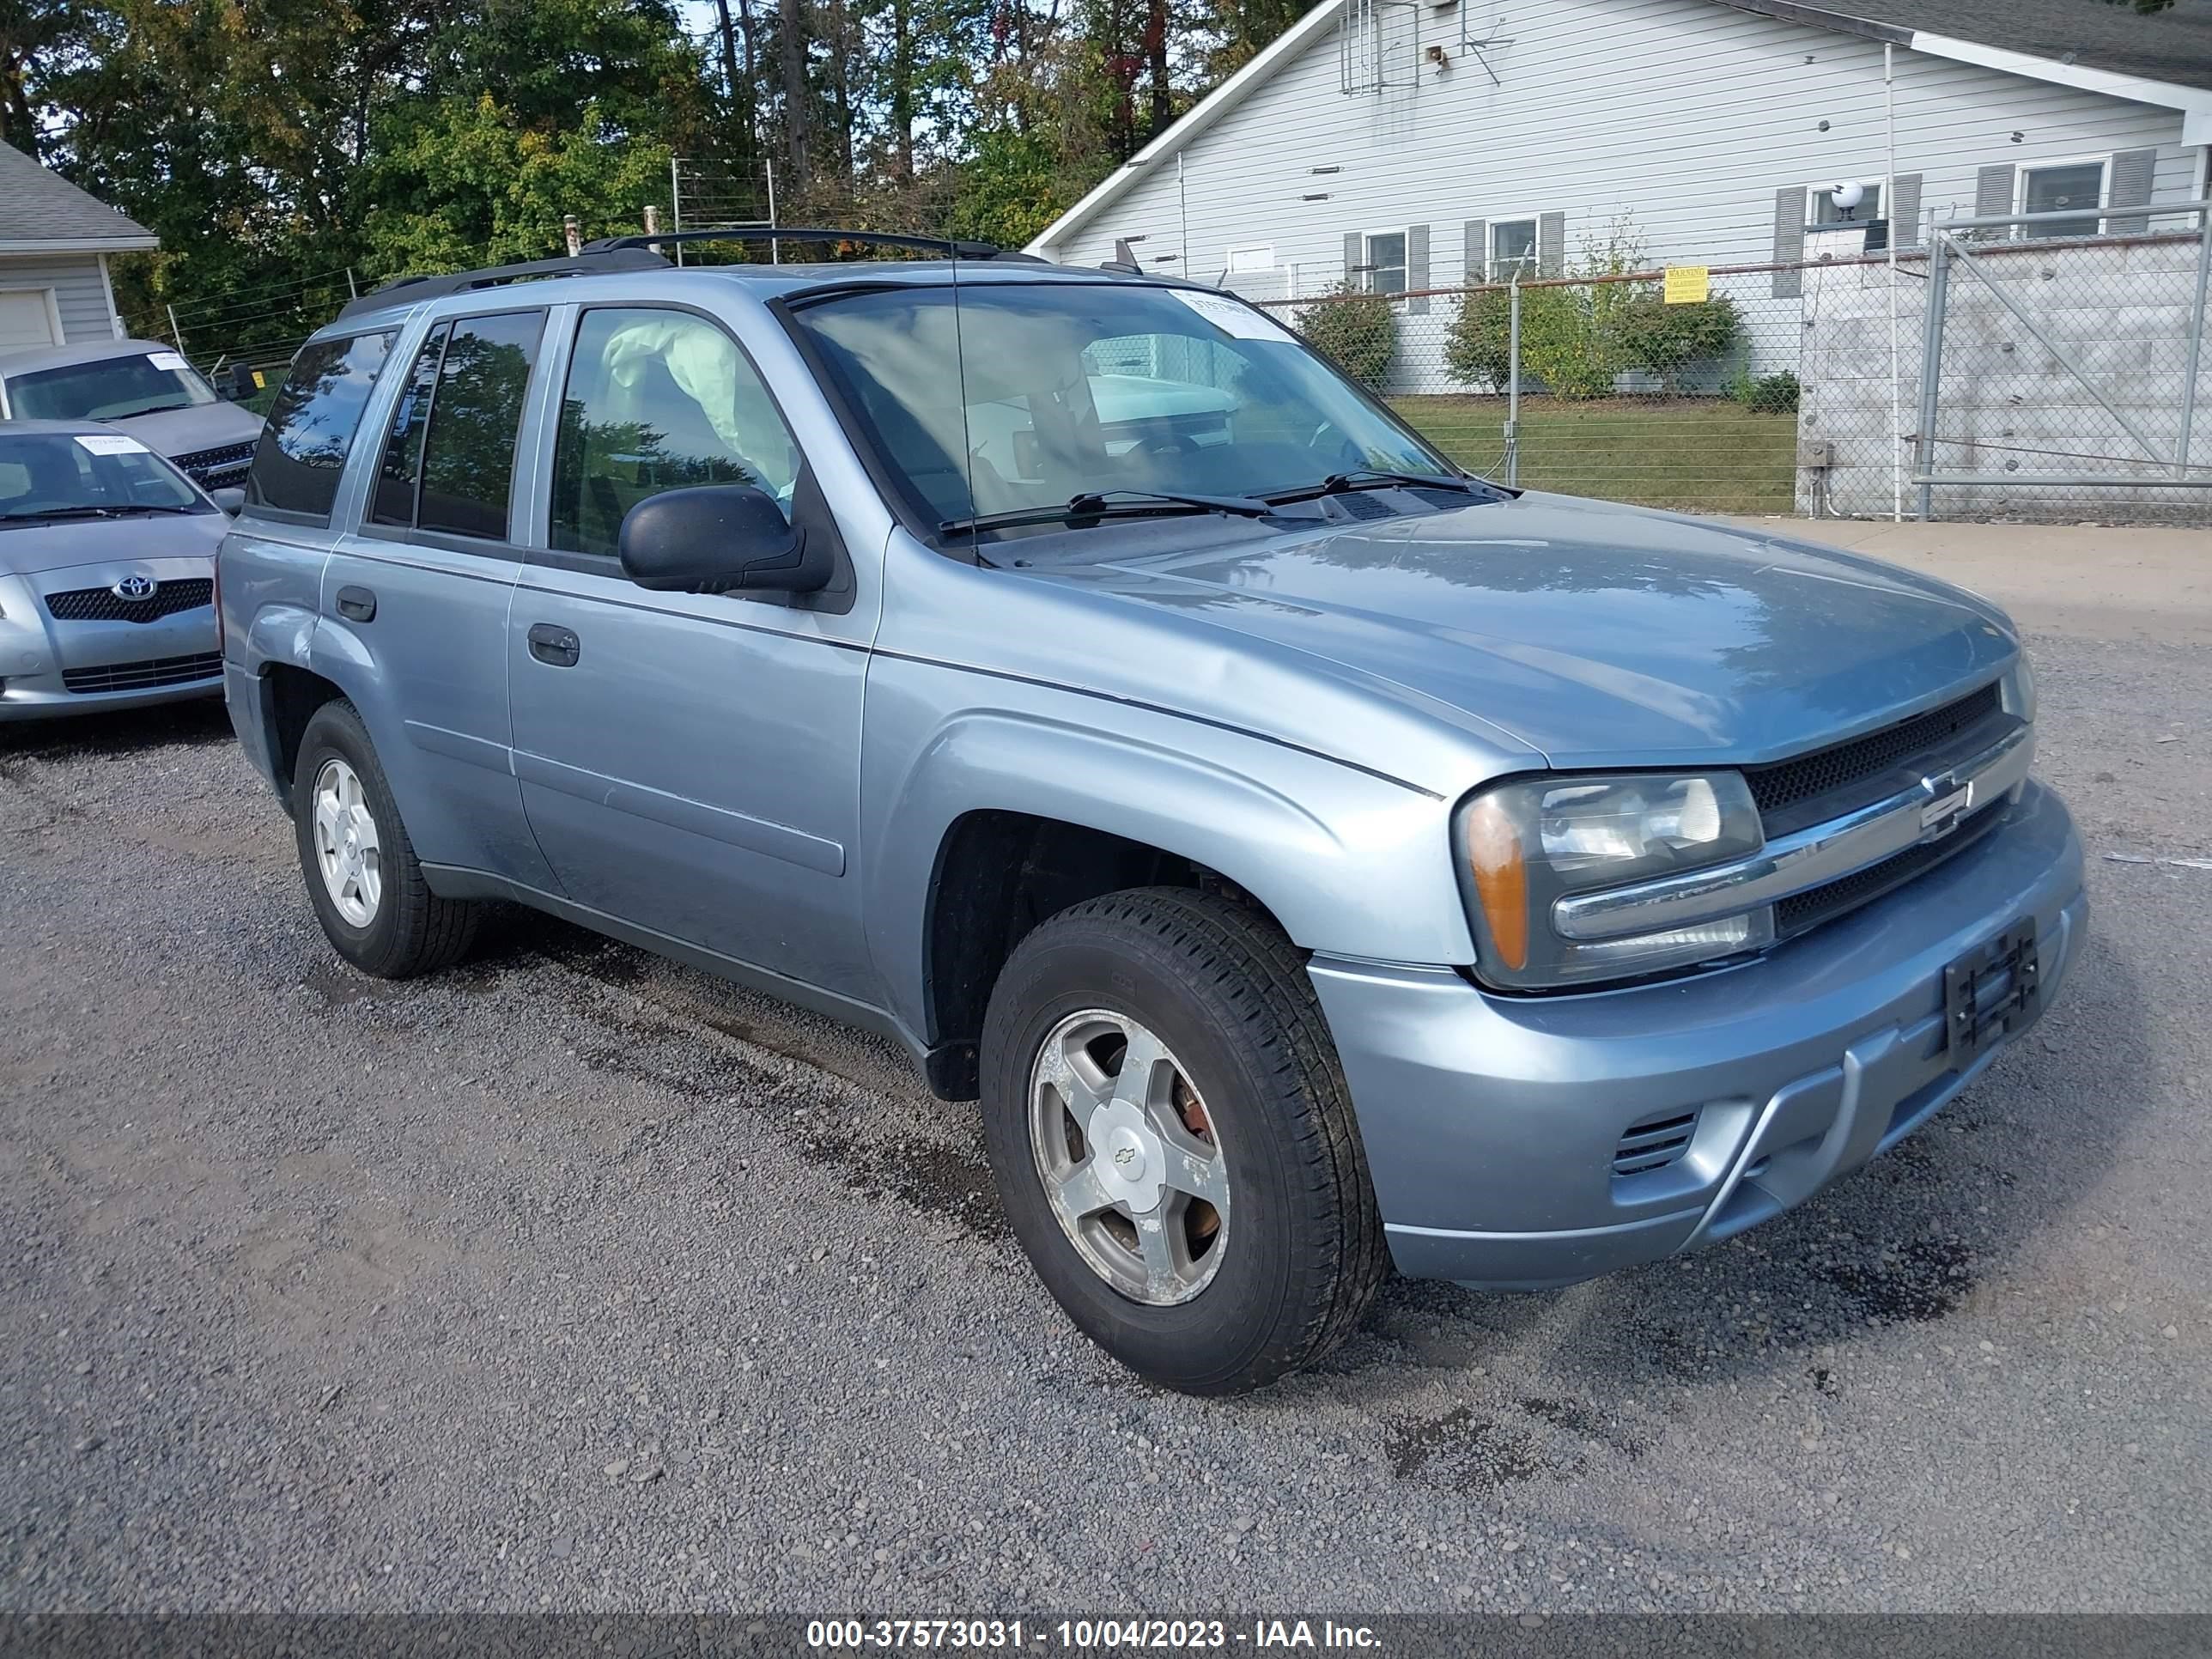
135 588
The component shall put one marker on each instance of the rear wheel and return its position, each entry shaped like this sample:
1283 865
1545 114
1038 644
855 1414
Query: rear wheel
1173 1140
361 873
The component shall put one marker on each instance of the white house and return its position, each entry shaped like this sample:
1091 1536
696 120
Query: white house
54 244
1413 145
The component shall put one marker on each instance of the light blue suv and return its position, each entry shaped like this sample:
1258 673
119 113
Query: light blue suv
1313 858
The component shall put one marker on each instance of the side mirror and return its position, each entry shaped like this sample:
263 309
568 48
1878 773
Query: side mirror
241 383
716 538
229 498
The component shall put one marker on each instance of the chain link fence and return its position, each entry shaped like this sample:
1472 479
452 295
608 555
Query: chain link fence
2068 371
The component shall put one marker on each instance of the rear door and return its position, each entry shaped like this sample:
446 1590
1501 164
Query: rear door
690 763
424 584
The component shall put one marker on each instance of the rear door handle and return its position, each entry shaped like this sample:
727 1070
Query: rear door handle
556 646
356 605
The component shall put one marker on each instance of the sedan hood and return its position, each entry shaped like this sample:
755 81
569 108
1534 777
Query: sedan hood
175 432
28 549
1595 635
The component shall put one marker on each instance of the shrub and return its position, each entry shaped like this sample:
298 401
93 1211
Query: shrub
1479 346
1662 340
1358 329
1770 394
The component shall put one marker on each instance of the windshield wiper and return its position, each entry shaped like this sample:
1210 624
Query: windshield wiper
80 512
1369 477
1096 504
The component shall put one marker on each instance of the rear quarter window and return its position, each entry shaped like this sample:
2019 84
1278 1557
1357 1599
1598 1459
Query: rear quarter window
303 451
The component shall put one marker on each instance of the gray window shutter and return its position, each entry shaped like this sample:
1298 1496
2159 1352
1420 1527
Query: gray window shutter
2131 182
1993 188
1904 211
1475 265
1417 267
1789 241
1355 255
1551 244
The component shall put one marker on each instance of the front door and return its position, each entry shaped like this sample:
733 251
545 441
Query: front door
690 763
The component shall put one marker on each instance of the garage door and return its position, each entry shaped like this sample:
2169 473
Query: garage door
26 319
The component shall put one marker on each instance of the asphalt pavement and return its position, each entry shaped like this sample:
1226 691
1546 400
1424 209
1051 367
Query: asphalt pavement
574 1280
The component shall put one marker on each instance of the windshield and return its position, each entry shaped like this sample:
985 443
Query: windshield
996 397
110 389
57 474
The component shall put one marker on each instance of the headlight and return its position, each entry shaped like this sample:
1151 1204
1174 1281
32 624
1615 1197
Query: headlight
1529 843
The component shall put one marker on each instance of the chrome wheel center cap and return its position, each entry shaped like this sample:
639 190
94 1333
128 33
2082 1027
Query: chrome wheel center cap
1128 1156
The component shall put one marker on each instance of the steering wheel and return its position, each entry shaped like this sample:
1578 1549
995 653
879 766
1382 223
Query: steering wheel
1167 443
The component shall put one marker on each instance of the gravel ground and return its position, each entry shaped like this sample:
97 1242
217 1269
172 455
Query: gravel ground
574 1279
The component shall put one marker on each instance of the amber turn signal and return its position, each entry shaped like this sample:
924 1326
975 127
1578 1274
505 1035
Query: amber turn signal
1501 880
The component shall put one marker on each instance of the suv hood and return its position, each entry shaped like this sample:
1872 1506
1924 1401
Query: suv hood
1595 635
175 432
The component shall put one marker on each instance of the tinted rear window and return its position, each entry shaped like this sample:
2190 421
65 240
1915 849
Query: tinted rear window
303 449
468 453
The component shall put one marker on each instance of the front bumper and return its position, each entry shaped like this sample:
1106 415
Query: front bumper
50 667
1491 1124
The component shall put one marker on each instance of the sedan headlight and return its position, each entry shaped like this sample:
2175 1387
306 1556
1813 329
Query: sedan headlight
1529 843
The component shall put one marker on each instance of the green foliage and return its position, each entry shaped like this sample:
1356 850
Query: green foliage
1578 338
1010 189
1769 394
1479 344
1358 330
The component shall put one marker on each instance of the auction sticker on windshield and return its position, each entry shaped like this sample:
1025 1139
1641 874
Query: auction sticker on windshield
110 443
1232 317
165 360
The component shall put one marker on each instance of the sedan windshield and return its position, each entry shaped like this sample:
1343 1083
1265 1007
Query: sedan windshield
1007 401
108 389
65 475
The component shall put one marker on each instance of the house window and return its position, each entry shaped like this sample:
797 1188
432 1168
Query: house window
1261 256
1512 250
2053 189
1385 262
1826 212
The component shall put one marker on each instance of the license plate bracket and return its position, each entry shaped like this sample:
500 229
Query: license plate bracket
1971 1021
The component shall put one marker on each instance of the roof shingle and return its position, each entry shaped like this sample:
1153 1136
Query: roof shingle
43 207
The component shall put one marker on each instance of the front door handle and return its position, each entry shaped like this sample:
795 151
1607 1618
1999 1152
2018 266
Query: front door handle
556 646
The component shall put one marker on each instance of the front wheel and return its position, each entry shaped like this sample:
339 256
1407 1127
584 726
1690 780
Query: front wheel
1173 1140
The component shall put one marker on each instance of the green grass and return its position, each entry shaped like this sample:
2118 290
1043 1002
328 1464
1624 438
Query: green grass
1693 454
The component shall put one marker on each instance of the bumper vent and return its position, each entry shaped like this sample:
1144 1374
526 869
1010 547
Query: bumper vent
1805 790
101 604
217 469
144 676
1654 1144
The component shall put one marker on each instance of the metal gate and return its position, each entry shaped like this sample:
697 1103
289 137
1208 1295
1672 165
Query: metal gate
2061 367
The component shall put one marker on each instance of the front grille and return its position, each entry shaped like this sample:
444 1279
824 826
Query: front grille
104 604
1654 1144
1808 789
1809 909
217 469
144 676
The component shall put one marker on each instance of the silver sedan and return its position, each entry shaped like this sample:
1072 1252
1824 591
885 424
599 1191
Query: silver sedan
107 573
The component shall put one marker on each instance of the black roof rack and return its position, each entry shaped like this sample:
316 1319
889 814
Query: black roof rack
598 258
949 246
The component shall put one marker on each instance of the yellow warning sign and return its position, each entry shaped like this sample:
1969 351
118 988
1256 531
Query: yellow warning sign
1688 285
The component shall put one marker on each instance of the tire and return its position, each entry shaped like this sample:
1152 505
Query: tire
407 930
1298 1250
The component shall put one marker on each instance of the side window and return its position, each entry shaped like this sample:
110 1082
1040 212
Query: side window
658 400
402 465
476 414
303 451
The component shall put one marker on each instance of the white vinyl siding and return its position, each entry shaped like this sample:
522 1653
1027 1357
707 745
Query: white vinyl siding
1686 118
80 295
